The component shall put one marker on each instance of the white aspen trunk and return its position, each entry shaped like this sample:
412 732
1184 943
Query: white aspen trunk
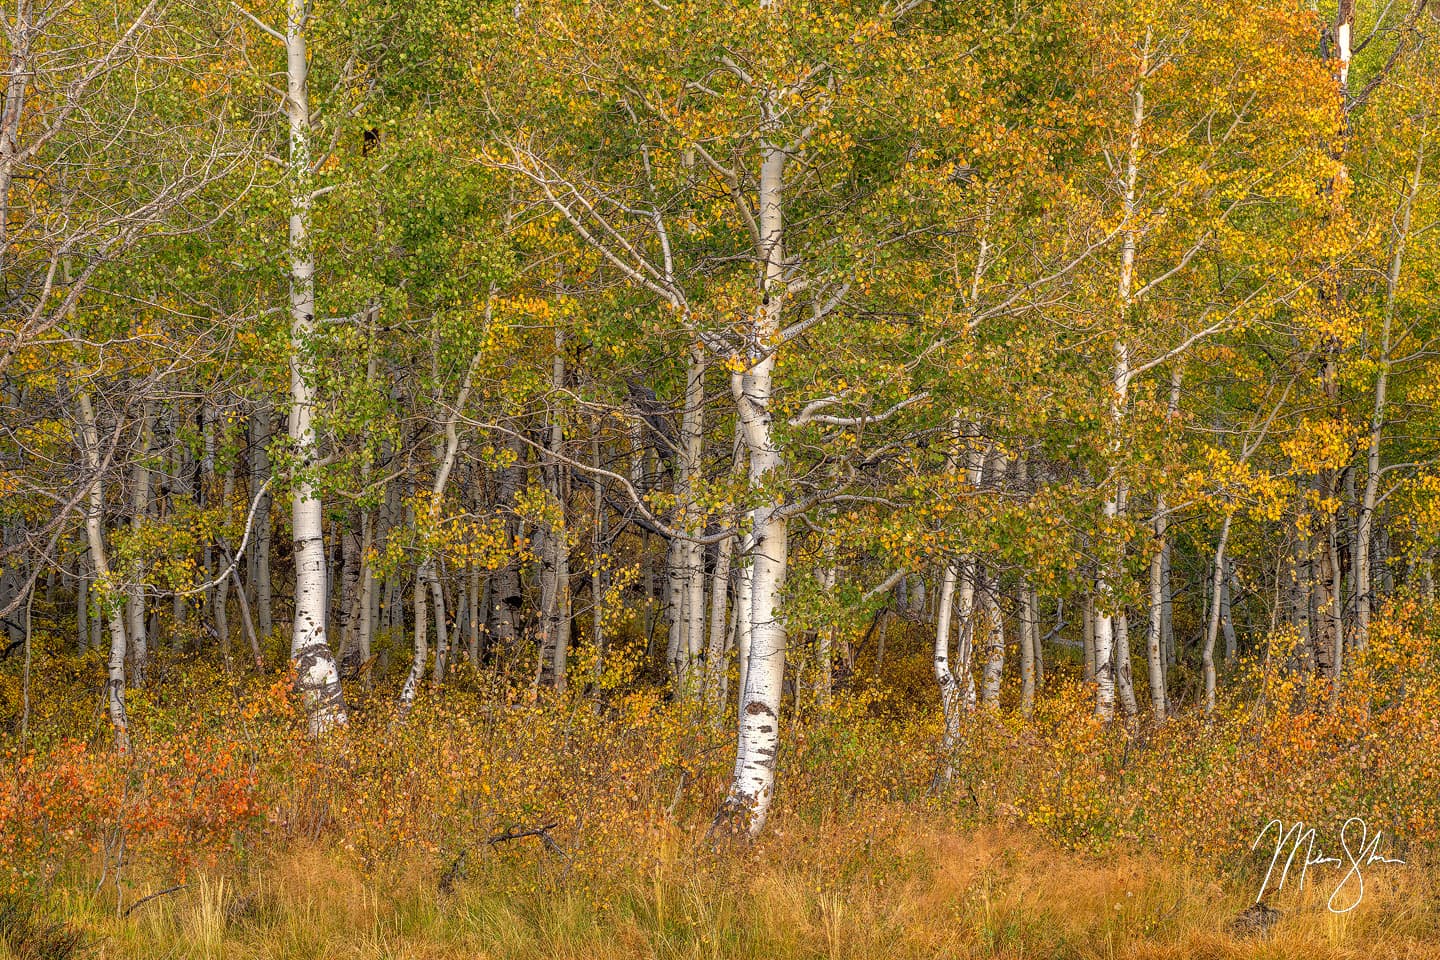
260 427
420 651
944 677
950 694
1344 41
505 597
442 632
426 575
1036 641
257 657
675 595
965 614
317 676
1027 650
139 508
366 630
1124 682
1087 636
597 551
555 561
1105 659
1227 622
994 647
95 536
206 493
1155 653
1365 521
20 36
743 607
968 573
715 654
349 613
995 643
752 786
1212 629
692 433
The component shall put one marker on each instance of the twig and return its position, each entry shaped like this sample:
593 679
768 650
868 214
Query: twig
146 899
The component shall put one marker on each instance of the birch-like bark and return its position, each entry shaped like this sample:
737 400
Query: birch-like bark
1027 619
317 675
1155 656
420 653
1212 629
1365 522
555 558
743 607
95 537
442 632
752 786
1227 622
950 696
994 646
598 546
944 677
1087 636
1124 682
139 509
692 434
1028 628
261 424
1036 641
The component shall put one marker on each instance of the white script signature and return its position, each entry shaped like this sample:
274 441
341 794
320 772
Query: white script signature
1359 848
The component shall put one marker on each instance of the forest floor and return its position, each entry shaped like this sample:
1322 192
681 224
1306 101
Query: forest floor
496 822
894 886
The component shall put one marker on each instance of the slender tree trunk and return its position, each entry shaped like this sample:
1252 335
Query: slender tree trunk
1155 653
555 559
220 596
1027 650
752 786
692 435
442 632
1207 653
1227 621
944 678
1124 681
95 536
1037 642
261 426
1105 602
317 674
994 646
421 652
139 508
1154 636
1365 522
968 573
1087 636
599 544
715 661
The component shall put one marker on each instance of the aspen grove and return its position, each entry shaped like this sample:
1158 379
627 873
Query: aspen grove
444 426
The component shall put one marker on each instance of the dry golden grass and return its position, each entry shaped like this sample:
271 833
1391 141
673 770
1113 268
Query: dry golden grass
885 883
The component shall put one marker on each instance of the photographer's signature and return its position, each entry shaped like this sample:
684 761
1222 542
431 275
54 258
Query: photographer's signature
1360 850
